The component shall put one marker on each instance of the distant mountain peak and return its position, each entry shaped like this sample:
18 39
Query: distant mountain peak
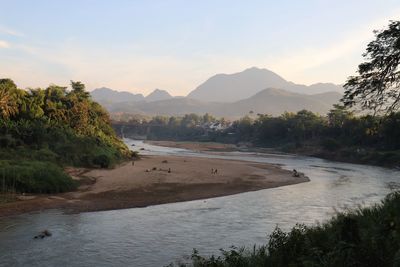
158 95
107 95
241 85
159 91
254 69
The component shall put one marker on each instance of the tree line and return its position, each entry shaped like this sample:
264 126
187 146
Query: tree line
340 134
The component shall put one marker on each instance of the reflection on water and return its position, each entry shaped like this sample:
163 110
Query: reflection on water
157 235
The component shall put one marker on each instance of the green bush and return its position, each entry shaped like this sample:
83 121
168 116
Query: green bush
134 154
362 237
330 144
34 177
7 141
102 160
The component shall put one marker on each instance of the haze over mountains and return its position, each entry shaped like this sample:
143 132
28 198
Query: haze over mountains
158 95
237 86
106 95
228 95
270 101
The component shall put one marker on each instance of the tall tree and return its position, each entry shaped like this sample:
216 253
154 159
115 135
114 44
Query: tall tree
78 89
377 85
338 116
8 103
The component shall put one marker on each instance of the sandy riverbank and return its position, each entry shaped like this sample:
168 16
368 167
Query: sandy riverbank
128 186
212 146
196 146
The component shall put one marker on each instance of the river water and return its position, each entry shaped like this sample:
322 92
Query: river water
158 235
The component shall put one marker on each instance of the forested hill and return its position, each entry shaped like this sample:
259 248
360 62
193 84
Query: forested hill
42 130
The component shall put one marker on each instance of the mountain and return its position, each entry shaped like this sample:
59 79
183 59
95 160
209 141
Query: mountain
276 101
109 96
328 97
241 85
158 95
271 101
228 95
173 106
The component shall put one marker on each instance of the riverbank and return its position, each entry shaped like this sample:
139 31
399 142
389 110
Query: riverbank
209 146
196 146
389 159
359 242
156 180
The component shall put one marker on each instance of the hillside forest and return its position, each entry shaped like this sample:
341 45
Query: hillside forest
44 130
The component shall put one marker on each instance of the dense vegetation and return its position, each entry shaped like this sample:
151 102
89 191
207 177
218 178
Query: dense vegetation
191 127
340 135
376 87
363 237
42 130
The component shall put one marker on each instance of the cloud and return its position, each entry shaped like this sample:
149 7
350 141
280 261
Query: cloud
4 44
134 67
9 31
299 64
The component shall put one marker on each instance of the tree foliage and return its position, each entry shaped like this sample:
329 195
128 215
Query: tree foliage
377 85
8 101
362 237
57 127
367 139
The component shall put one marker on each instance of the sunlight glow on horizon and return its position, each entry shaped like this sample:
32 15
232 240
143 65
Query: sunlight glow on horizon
138 46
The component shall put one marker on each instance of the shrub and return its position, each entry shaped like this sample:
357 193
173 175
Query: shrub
135 154
7 141
34 177
362 237
330 144
102 160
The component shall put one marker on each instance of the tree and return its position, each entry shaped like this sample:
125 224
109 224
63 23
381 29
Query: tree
338 116
8 103
377 85
208 118
78 89
244 128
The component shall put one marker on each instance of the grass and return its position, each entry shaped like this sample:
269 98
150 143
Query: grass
33 177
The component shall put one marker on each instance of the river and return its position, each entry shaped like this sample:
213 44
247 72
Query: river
158 235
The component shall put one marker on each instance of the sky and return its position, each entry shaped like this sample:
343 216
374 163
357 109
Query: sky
140 45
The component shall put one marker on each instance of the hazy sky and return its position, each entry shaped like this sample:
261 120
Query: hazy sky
137 45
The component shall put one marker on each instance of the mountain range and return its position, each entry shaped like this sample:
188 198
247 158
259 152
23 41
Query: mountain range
107 96
110 98
241 85
271 101
228 95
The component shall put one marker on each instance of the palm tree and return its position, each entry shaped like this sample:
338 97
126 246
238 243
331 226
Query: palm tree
8 105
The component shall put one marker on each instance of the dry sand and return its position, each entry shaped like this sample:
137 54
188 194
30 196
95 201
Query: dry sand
196 146
138 185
